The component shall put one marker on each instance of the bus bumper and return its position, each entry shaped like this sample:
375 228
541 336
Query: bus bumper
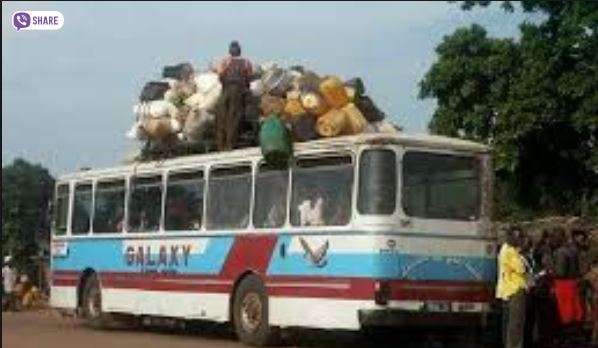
406 318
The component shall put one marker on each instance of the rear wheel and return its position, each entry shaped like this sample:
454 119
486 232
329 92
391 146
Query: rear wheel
92 303
250 313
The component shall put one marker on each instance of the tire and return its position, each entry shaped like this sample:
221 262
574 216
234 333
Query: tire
91 306
250 314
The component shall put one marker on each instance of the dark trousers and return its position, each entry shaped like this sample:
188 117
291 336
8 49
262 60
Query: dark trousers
514 310
230 113
530 321
547 321
9 302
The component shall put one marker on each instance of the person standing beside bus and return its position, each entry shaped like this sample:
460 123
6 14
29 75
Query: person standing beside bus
566 289
545 312
9 281
511 288
592 278
235 74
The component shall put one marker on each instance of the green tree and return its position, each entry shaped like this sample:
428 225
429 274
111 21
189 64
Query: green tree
535 101
26 192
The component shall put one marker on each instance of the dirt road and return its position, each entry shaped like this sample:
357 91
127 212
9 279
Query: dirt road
50 330
47 329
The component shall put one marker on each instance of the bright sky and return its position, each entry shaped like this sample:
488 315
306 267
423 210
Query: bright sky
67 95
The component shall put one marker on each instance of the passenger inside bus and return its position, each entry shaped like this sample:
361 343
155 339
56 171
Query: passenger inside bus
277 212
311 209
178 214
117 223
341 210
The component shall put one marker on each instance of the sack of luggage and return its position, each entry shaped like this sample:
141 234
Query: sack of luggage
272 105
314 103
153 91
197 126
331 123
277 82
354 87
293 108
303 127
181 72
355 123
257 88
369 110
333 91
159 128
156 108
204 101
206 82
307 82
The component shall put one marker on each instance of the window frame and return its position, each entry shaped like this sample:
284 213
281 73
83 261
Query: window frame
129 195
69 202
353 194
92 184
446 152
99 180
207 199
166 181
286 222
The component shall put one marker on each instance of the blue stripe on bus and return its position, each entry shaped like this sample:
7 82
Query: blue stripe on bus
399 266
96 254
108 256
390 265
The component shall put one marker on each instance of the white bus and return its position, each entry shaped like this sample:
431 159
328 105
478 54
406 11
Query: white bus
368 230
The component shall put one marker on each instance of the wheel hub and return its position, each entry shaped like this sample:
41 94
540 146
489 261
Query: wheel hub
251 312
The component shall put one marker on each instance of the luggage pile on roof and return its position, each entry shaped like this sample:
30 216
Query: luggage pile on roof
175 115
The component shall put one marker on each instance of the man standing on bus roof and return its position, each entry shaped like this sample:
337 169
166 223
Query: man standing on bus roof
235 73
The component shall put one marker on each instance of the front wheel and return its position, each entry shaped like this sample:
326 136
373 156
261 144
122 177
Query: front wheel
250 313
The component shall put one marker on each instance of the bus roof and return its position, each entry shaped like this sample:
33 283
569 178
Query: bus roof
343 142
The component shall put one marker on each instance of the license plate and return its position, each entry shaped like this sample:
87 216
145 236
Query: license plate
438 306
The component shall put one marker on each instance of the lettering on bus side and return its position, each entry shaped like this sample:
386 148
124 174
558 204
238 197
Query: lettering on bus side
166 255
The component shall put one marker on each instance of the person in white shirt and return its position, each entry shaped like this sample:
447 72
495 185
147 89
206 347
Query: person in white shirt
9 281
311 210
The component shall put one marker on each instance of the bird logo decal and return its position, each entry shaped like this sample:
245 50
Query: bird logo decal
318 256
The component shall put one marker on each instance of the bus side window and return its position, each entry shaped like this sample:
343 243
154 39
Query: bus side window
270 208
61 209
184 201
109 209
229 195
322 190
145 204
82 209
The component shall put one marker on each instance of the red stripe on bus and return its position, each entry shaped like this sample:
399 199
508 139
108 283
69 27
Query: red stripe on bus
465 291
222 288
250 252
65 282
295 286
364 288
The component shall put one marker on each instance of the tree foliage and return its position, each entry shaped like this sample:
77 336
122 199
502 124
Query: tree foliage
26 192
535 100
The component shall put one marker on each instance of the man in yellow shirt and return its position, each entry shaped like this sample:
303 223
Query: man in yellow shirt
511 288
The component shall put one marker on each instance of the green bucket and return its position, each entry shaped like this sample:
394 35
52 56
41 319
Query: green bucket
275 141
